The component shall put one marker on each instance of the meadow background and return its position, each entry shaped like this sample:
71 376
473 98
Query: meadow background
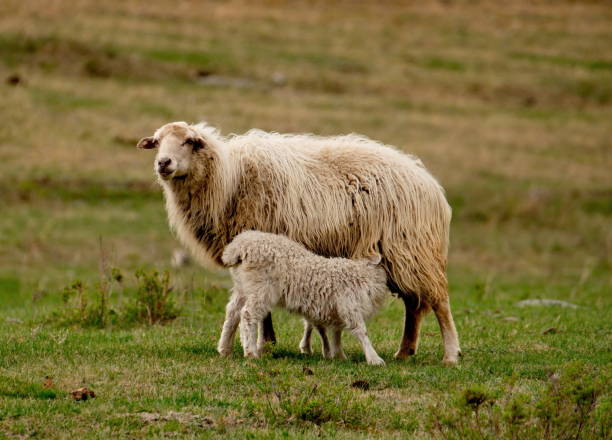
510 107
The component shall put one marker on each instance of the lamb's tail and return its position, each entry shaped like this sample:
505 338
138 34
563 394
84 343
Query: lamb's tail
232 255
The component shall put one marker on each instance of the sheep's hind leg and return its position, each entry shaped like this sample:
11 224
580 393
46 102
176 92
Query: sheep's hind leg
449 333
371 356
412 326
232 319
336 347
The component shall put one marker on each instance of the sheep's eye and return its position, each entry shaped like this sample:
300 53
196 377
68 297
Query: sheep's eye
189 142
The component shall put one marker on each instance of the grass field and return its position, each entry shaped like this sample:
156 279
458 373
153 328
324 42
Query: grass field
510 108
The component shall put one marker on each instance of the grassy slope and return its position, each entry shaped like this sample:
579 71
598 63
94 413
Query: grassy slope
510 108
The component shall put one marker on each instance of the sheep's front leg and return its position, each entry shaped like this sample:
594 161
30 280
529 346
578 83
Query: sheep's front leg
232 319
305 347
371 356
305 343
336 347
268 329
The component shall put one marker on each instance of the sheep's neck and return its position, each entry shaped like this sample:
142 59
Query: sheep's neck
192 201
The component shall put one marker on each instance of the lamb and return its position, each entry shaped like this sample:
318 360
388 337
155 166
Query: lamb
269 269
343 196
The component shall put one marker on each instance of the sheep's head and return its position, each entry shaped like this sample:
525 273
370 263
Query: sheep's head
176 143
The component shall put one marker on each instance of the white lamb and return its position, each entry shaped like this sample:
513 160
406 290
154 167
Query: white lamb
270 270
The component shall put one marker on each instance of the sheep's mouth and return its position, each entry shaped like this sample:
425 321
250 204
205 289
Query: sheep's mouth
165 174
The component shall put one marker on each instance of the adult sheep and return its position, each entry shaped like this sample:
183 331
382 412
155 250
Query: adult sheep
344 196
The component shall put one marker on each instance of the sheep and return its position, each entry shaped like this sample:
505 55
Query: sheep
269 270
343 196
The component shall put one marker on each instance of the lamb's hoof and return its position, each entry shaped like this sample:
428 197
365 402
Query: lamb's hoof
305 350
225 352
376 361
450 361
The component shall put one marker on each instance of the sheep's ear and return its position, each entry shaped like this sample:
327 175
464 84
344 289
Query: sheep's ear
147 143
374 259
197 143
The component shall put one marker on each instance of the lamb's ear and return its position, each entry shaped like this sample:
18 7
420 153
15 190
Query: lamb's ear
196 142
147 143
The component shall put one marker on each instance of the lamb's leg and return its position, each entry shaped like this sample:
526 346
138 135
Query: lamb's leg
324 342
371 356
268 330
248 332
412 326
449 333
305 346
336 346
260 337
232 319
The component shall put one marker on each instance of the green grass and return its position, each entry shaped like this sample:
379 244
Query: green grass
508 107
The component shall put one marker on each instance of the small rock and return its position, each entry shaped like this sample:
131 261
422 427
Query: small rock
14 80
279 79
307 371
361 384
510 319
546 302
82 394
550 331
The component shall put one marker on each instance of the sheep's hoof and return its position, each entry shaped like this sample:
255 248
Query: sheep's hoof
404 354
341 356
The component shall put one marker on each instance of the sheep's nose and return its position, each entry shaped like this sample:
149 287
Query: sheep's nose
163 163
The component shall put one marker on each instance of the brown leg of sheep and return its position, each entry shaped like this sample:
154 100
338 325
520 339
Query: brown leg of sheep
412 326
268 329
449 334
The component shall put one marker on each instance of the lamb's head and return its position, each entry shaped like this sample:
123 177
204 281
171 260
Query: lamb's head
177 143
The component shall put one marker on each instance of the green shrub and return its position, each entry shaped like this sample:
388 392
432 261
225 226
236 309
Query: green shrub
569 408
151 302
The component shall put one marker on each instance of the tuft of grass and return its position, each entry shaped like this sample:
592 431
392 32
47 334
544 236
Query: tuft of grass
90 306
314 404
